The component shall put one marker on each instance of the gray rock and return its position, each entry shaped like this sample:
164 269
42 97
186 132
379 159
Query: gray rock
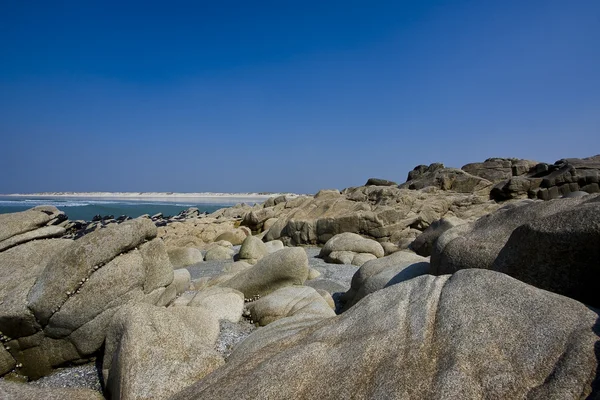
477 245
380 182
153 352
66 270
20 268
340 257
351 242
476 334
283 268
451 179
378 274
223 302
218 253
274 245
499 169
235 237
290 301
183 256
40 233
361 258
423 244
252 249
157 266
559 253
20 222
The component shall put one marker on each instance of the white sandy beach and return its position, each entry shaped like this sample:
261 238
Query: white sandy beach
158 196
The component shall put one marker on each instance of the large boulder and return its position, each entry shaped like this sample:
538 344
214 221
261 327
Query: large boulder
234 236
152 352
184 256
37 234
477 244
423 243
476 334
552 245
218 253
276 270
559 253
252 249
378 274
290 301
20 268
18 223
342 249
59 295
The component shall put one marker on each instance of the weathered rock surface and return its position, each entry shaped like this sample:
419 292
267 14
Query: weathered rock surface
290 301
283 268
59 295
383 272
552 245
476 334
183 256
382 213
21 222
217 253
20 268
223 302
153 352
274 245
198 232
559 253
423 244
380 182
233 236
551 181
457 180
252 249
499 169
349 241
40 233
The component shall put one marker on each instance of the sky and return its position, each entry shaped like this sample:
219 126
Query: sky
288 96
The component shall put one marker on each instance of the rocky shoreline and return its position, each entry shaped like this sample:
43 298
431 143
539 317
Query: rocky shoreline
477 282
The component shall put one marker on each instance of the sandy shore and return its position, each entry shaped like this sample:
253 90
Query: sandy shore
159 196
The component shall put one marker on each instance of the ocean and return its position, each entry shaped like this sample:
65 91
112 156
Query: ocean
87 208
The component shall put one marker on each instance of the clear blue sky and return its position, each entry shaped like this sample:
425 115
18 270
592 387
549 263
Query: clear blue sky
288 95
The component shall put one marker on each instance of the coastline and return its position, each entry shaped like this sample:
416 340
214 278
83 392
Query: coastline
162 196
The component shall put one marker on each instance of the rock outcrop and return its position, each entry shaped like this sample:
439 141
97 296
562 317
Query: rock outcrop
283 268
58 295
377 274
350 248
551 181
290 301
449 179
552 245
476 334
152 352
381 213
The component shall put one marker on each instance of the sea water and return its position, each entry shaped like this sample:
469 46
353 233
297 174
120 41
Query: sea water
87 208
